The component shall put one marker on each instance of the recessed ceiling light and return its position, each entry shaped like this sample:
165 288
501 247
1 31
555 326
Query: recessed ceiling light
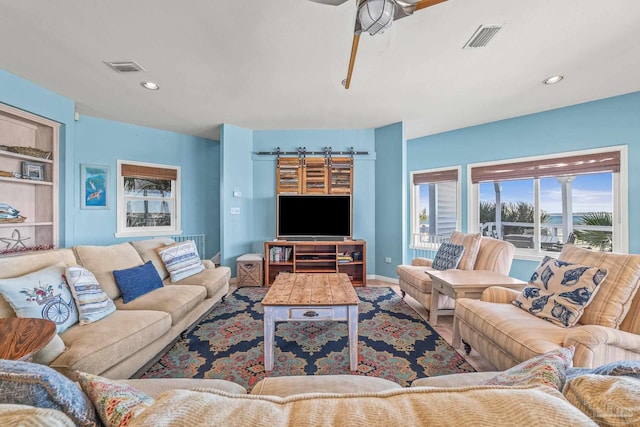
552 80
150 85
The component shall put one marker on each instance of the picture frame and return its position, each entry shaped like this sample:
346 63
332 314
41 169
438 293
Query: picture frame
33 171
94 186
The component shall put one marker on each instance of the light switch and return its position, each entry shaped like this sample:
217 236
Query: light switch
237 194
235 211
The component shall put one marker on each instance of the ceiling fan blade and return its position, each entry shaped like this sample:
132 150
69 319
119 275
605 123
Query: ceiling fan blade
330 2
352 60
427 3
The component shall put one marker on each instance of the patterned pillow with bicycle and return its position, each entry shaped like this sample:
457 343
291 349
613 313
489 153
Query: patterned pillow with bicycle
42 294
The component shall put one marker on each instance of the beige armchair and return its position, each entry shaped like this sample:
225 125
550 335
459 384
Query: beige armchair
608 331
481 253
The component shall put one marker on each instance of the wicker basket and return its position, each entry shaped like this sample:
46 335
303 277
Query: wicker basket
13 220
30 151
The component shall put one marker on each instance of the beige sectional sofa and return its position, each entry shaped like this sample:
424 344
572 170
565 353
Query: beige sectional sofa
120 344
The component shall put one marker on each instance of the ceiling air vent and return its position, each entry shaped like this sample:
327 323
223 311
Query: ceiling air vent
482 36
124 66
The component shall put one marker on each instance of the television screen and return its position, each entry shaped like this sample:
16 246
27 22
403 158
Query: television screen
313 217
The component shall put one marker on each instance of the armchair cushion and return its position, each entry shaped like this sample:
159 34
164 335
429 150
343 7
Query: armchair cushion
448 256
559 291
471 243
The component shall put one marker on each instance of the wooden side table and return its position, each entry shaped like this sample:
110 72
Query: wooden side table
21 338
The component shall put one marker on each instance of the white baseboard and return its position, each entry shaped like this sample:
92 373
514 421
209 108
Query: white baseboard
395 281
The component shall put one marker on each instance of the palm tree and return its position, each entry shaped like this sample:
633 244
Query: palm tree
600 239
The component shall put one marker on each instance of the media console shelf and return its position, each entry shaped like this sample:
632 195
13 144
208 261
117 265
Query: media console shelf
316 257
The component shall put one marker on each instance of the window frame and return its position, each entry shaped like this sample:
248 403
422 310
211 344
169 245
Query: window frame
414 205
121 204
620 215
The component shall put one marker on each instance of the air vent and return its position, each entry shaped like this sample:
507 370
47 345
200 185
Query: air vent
124 66
482 36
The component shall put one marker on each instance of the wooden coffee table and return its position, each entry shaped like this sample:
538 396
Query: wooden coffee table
464 284
21 338
310 297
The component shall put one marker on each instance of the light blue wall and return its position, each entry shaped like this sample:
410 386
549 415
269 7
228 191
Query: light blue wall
264 179
391 198
103 142
27 96
237 175
612 121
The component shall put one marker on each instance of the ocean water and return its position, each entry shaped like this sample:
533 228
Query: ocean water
557 218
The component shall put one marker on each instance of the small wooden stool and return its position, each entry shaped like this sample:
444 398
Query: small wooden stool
249 270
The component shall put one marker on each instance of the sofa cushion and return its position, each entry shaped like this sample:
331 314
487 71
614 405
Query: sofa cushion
43 294
548 369
559 291
181 260
148 252
515 332
116 403
416 276
471 243
177 301
448 256
455 380
137 281
608 400
213 279
613 300
154 386
98 346
25 383
93 304
488 405
102 260
290 385
50 351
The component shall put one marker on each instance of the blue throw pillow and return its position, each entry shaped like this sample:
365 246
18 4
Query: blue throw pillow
24 383
626 368
137 281
448 256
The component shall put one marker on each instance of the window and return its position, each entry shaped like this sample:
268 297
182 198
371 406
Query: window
435 206
546 202
148 199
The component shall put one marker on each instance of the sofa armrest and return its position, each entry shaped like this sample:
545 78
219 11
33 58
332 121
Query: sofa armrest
207 263
499 294
422 262
594 344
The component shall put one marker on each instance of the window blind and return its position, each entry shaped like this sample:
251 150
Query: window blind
149 172
557 166
435 176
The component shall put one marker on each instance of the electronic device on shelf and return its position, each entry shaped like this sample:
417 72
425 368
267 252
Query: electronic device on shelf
322 217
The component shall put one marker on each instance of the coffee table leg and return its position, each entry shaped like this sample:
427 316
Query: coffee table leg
433 311
269 332
353 337
456 340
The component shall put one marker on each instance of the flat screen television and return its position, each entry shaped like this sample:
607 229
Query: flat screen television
313 217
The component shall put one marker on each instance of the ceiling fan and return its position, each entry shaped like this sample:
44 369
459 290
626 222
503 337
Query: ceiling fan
375 16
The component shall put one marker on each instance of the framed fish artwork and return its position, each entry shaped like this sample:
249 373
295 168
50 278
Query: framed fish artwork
94 186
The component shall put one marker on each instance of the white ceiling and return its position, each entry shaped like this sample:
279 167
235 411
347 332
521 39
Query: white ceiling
278 64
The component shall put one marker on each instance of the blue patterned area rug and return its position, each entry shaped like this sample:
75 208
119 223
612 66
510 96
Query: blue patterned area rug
394 343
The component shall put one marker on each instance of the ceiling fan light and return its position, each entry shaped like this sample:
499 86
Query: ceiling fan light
375 16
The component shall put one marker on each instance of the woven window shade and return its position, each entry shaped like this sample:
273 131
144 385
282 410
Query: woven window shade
557 166
149 172
434 177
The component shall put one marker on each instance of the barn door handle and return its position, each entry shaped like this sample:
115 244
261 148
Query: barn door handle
310 314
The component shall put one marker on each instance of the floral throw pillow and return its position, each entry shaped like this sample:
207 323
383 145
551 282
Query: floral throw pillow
558 291
548 369
448 256
116 403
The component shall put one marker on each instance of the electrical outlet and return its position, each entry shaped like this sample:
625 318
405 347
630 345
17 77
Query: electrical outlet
235 211
387 260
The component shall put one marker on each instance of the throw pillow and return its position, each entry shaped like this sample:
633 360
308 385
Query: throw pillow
137 281
558 291
547 369
24 383
607 400
182 260
471 243
93 304
448 256
116 403
43 294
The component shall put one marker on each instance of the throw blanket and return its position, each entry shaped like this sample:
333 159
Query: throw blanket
476 405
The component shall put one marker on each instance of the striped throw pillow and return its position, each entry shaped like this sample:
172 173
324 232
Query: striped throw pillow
182 260
93 304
